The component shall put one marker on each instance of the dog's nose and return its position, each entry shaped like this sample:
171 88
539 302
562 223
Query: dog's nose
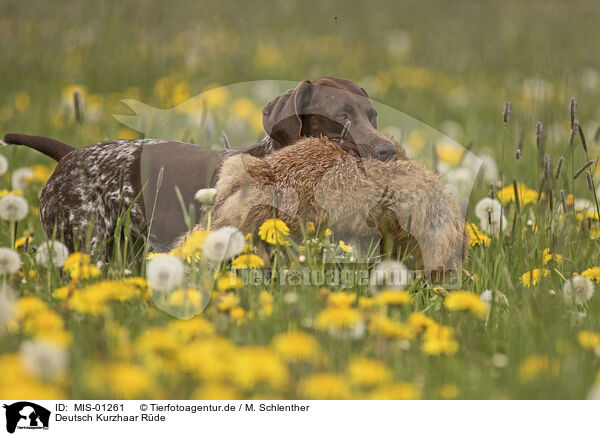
385 151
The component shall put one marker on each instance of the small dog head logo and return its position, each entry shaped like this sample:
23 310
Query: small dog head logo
26 415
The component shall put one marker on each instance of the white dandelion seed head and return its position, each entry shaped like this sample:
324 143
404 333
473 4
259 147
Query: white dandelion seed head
206 196
52 253
3 165
488 207
13 207
43 359
594 393
224 244
404 344
452 129
389 274
165 272
578 289
10 261
486 297
357 331
7 306
20 178
499 360
459 181
583 205
290 298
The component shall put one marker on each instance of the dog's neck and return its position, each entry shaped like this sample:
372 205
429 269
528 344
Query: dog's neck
266 146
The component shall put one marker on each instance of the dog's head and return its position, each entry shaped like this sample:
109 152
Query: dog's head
332 107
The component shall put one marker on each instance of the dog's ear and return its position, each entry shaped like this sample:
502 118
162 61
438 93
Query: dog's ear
282 116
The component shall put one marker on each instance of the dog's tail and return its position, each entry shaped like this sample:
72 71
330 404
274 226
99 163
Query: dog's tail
50 147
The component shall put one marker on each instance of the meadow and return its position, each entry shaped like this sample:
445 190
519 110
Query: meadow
525 323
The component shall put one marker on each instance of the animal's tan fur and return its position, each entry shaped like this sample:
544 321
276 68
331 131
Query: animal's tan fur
315 180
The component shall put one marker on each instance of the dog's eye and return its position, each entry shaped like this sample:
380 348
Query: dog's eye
342 116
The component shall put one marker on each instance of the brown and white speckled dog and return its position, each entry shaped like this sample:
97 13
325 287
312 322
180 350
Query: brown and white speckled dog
99 183
315 180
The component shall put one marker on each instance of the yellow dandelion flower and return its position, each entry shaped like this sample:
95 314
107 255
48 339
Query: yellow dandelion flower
388 328
60 338
186 297
62 293
393 298
274 231
526 195
366 303
191 250
208 359
465 300
44 321
532 278
296 346
254 365
229 281
228 302
154 339
476 236
338 318
450 153
449 392
20 242
78 265
595 233
5 192
216 391
310 227
244 108
439 339
22 101
416 140
592 273
123 380
324 386
237 313
93 299
368 372
265 298
536 365
548 257
420 321
88 302
341 299
585 215
29 305
17 382
40 174
345 248
589 340
187 329
267 56
247 261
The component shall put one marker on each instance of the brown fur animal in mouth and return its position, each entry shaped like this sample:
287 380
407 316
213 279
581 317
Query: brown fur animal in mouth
401 202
